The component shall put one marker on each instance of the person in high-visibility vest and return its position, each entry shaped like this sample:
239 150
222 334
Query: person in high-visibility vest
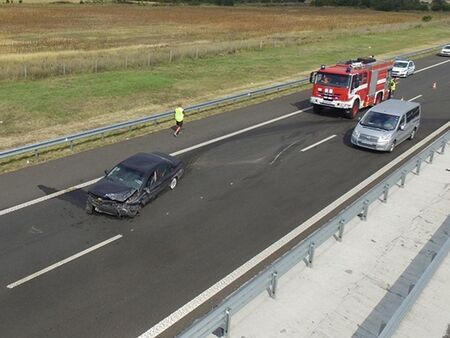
179 117
392 87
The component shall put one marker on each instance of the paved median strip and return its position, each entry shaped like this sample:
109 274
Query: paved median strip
64 261
182 151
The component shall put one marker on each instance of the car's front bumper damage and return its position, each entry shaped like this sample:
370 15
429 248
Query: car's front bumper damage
112 207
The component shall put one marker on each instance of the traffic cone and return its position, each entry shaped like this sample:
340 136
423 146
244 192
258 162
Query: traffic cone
434 85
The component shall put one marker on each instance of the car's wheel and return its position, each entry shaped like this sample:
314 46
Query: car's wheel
354 110
413 134
392 147
173 183
89 208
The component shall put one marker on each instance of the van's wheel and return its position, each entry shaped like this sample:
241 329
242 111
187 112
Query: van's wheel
89 208
173 183
354 110
391 149
413 134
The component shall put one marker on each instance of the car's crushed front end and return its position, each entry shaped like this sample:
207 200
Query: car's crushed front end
116 202
112 207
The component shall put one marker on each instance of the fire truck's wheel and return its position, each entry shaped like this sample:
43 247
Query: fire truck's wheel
317 109
355 109
378 99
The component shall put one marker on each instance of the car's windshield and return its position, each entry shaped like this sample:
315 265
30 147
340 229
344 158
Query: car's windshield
332 79
401 64
378 120
126 176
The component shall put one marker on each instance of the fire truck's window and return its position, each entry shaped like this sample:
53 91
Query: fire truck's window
364 78
332 80
377 120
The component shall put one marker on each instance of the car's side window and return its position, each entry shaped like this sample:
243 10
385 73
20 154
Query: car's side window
403 121
152 179
409 115
164 170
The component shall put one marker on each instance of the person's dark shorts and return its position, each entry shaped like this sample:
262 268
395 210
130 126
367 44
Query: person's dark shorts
179 123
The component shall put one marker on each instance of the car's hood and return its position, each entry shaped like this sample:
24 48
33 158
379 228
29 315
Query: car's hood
399 69
375 132
111 190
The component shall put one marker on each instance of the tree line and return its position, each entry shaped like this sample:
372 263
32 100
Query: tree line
382 5
387 5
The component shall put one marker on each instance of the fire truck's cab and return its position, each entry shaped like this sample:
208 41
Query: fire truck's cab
350 86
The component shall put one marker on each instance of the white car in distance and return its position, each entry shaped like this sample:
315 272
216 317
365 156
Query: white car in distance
445 51
403 68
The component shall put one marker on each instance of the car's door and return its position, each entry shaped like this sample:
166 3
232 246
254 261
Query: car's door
165 173
402 131
411 67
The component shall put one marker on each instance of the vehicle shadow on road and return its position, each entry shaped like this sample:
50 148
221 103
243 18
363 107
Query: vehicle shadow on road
77 197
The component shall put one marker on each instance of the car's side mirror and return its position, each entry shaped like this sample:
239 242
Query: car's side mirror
106 172
359 118
312 77
402 127
147 190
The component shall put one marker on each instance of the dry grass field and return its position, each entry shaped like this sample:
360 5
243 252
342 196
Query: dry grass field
38 41
27 29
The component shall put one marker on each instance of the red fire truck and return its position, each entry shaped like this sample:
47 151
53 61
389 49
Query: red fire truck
351 85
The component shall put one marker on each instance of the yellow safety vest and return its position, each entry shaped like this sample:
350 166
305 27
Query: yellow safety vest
392 84
179 114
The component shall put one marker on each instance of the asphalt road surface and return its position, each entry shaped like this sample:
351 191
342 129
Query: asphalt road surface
238 196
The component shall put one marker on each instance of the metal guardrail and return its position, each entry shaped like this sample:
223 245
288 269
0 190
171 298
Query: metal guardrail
70 139
218 320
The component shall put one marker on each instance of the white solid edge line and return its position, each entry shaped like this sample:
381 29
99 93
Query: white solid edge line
64 261
82 185
239 272
432 66
415 97
317 143
47 197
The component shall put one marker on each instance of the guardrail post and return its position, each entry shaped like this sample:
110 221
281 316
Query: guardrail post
36 153
227 322
418 164
403 179
71 145
430 158
340 230
385 193
311 254
444 143
225 330
364 211
272 289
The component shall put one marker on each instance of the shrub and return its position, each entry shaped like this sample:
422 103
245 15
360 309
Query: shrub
426 18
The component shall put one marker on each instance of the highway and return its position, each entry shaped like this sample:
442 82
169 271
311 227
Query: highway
239 195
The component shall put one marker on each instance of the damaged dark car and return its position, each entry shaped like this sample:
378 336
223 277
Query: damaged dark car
131 184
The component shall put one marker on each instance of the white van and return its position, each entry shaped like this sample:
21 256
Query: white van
387 124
